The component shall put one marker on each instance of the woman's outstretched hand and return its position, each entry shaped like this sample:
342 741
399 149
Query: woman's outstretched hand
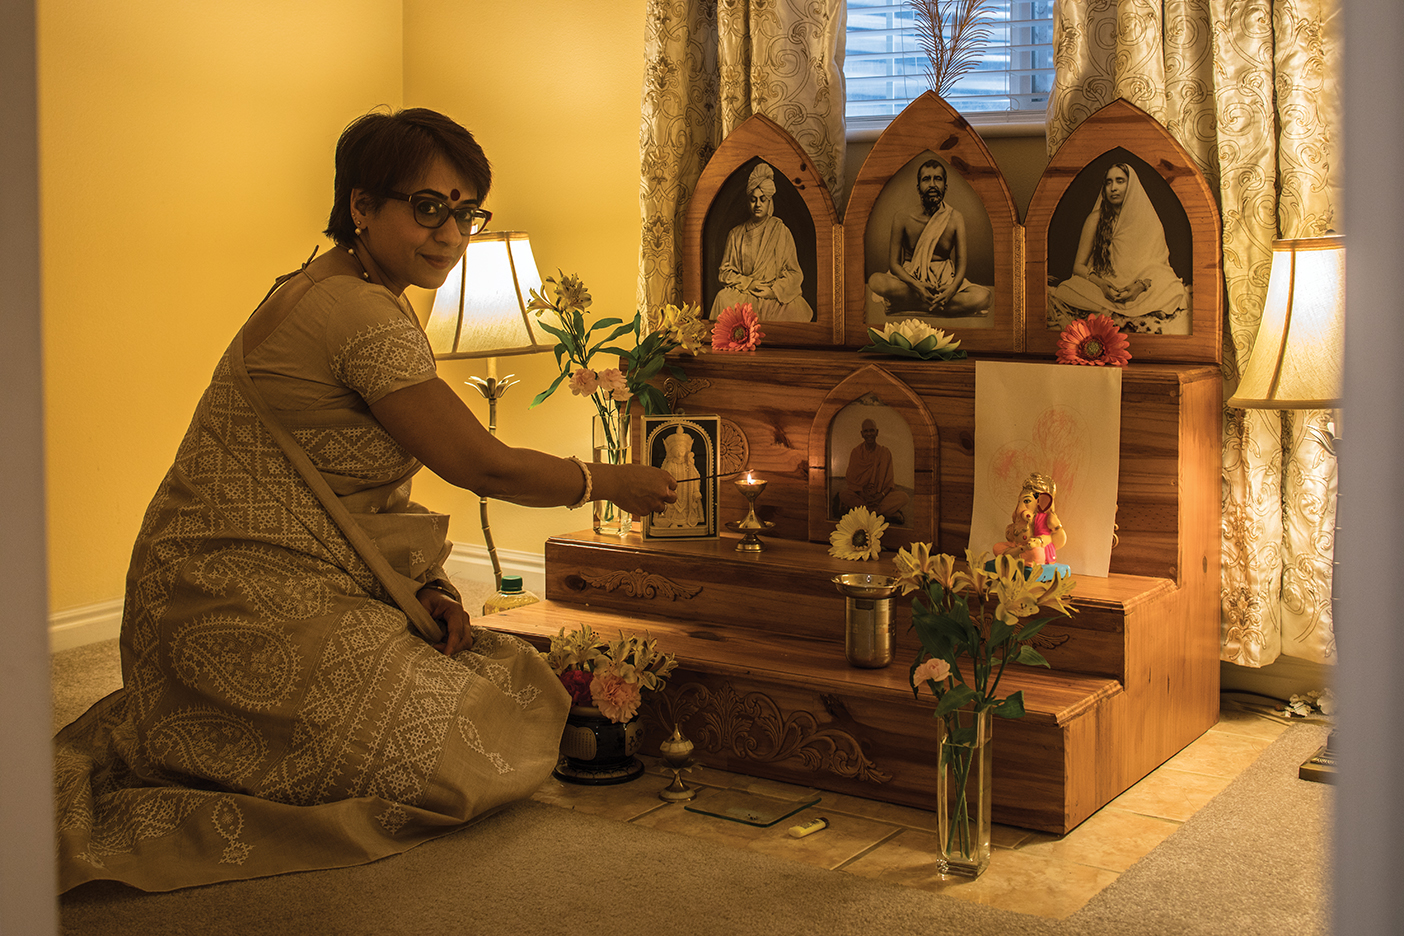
638 489
458 635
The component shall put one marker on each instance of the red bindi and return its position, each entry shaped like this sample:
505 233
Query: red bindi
453 196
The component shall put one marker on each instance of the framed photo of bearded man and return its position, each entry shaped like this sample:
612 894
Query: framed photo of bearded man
761 229
931 233
929 224
1123 224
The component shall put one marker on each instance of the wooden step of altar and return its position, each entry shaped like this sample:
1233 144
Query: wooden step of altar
789 707
788 590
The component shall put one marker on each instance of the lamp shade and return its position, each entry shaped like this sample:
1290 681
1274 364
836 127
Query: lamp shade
481 310
1297 358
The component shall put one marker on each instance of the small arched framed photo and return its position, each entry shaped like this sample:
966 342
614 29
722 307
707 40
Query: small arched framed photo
689 449
1124 225
761 229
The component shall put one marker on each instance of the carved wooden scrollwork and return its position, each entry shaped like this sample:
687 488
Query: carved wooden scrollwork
735 448
641 584
1046 641
754 727
677 390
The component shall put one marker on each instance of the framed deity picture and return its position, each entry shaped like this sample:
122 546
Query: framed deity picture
761 230
1124 225
689 449
931 233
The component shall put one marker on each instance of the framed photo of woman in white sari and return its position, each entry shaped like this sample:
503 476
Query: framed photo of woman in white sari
1120 245
1123 224
687 447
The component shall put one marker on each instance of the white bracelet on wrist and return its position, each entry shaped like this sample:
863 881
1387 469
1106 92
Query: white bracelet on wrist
589 483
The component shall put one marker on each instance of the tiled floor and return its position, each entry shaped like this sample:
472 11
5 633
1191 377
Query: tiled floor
1030 872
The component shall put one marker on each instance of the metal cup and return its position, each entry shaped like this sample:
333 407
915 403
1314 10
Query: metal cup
868 641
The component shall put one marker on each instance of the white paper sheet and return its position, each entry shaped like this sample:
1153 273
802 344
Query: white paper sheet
1063 421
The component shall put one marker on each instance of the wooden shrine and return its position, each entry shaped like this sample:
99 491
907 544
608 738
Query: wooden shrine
763 687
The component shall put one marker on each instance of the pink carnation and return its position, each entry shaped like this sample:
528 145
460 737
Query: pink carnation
612 382
577 683
616 699
583 382
933 669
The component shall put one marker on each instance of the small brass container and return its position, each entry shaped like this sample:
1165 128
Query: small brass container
868 638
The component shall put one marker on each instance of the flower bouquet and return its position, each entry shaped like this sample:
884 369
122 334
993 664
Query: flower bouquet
913 339
609 676
605 681
614 389
971 625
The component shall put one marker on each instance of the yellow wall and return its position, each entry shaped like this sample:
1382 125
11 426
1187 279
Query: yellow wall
186 160
553 97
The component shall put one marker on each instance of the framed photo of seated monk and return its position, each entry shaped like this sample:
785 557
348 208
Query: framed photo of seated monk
761 229
1124 225
688 448
870 462
929 249
758 248
873 443
931 233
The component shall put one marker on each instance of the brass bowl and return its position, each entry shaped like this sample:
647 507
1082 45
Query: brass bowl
865 585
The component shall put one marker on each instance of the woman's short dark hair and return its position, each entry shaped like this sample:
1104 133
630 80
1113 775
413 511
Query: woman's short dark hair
380 152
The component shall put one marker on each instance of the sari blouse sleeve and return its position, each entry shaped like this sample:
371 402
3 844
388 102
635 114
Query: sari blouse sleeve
375 346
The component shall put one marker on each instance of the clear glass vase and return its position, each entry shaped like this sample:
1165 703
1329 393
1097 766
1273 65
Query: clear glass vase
610 435
964 793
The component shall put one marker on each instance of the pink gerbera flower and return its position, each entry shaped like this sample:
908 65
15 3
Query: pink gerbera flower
1094 340
737 329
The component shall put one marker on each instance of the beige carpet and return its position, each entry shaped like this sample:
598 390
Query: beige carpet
1251 862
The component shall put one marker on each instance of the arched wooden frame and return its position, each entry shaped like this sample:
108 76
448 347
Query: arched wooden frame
1122 125
760 136
925 455
929 123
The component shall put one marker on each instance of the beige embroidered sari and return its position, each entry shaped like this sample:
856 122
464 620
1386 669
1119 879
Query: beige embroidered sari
278 712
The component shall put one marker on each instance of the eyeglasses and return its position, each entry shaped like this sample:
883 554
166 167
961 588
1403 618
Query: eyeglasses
431 212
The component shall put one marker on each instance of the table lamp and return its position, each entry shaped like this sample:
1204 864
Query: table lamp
1297 360
481 312
1297 357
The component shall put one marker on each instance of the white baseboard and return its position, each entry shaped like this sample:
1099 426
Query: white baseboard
470 562
92 623
88 624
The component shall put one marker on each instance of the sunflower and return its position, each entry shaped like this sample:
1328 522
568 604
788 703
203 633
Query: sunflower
736 329
859 535
1093 340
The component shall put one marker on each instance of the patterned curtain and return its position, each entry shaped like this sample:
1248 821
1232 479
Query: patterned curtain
1250 89
710 64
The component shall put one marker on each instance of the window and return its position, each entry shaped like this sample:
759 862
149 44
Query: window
885 69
